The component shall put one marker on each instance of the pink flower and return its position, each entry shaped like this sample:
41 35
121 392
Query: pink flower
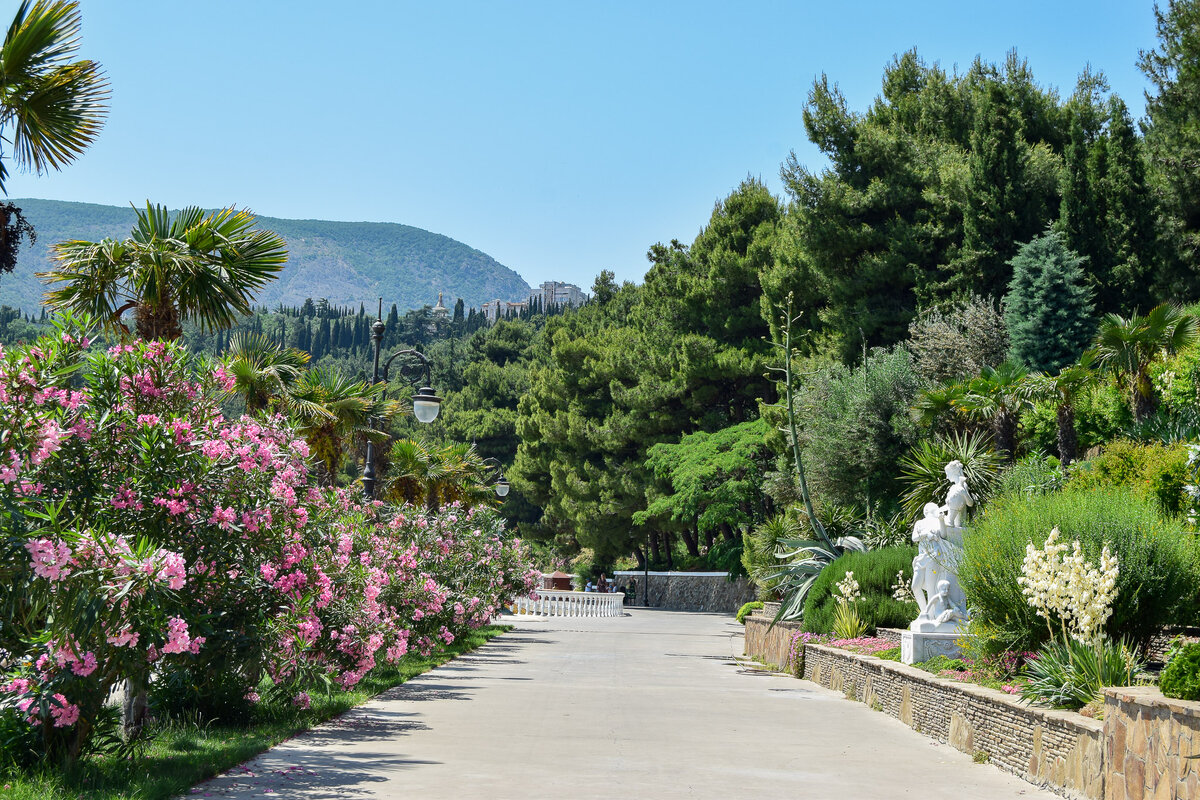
65 714
302 700
178 640
50 560
223 517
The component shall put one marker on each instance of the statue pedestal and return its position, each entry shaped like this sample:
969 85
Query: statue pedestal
917 646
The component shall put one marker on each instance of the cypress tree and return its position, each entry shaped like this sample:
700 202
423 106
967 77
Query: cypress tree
1048 308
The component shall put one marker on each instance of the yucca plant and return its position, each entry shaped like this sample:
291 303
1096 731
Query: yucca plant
1072 674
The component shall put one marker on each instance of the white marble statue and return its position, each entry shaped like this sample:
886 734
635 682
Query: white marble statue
938 536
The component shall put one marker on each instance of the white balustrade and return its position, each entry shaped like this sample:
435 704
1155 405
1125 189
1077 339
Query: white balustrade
558 603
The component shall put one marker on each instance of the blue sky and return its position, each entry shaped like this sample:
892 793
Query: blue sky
561 138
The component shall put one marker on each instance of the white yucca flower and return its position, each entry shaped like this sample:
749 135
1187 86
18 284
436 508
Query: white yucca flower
847 588
1067 587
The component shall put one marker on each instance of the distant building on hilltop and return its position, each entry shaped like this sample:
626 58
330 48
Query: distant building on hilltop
557 293
440 309
499 309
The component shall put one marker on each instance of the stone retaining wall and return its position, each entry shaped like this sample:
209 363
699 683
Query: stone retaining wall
1148 745
769 644
691 591
1153 745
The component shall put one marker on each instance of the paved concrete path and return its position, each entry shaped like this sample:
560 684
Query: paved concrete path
644 707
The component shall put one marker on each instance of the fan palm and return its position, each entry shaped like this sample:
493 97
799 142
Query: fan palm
332 409
1127 348
205 267
923 469
998 396
264 372
436 476
1064 390
51 107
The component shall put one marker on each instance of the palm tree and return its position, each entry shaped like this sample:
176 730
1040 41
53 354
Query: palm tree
1064 390
264 372
436 476
205 267
998 396
332 409
1127 348
940 408
51 108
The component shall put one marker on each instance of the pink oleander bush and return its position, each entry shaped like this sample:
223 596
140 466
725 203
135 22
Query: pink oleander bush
148 541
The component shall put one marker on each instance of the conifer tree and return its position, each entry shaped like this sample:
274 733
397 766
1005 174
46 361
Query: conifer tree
1129 216
1048 308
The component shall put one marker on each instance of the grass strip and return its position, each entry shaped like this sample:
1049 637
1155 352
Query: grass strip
179 754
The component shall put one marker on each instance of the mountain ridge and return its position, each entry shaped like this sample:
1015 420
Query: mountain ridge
347 263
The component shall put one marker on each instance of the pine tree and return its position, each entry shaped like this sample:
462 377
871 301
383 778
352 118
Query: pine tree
1081 217
1129 216
1048 308
994 218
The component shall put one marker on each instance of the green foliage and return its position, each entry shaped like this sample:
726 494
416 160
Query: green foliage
1181 676
746 609
1072 674
875 571
710 480
1158 580
847 624
857 426
1155 471
1032 476
925 476
1173 140
1101 414
1048 308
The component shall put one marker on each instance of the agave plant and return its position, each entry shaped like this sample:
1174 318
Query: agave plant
803 560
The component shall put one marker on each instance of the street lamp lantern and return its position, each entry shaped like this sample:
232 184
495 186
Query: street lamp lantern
426 405
414 368
499 484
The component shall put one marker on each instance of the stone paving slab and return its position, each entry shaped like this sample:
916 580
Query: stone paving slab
650 705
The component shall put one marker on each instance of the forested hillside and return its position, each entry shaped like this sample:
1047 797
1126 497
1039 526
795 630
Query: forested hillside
345 262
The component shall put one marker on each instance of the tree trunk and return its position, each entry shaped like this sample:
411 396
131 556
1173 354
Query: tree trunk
1144 401
158 322
640 554
136 709
655 554
1068 441
1006 435
667 548
727 532
689 541
709 539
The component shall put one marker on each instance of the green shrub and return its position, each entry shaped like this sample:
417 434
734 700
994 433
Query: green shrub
1181 677
745 610
1073 674
1032 475
1158 573
1156 471
875 571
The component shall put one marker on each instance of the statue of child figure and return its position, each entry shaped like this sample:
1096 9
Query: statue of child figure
958 499
941 608
928 534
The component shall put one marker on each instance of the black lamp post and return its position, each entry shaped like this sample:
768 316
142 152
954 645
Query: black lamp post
414 368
